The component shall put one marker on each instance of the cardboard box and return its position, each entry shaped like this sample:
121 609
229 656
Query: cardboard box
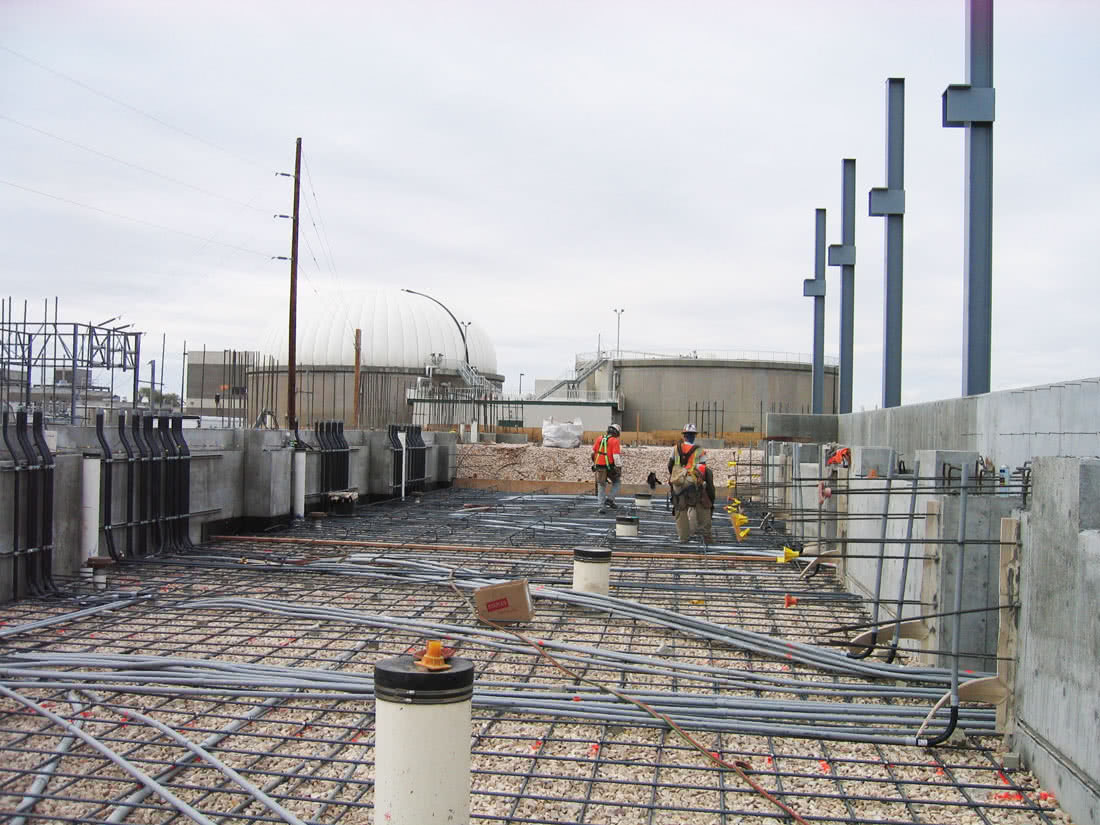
507 602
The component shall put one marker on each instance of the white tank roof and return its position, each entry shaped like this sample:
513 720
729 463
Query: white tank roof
399 329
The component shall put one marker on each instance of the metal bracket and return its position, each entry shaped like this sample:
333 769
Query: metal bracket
964 104
813 288
881 202
842 254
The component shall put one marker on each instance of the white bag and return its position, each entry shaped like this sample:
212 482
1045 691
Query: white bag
562 433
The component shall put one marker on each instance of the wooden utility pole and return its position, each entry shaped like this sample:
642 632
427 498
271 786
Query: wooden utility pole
292 355
358 344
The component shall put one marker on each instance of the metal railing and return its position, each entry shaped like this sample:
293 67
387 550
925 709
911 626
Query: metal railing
584 359
473 394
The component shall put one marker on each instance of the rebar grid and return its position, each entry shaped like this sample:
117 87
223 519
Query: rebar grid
310 749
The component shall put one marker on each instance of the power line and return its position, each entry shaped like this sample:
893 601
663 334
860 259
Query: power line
132 219
131 165
129 106
322 234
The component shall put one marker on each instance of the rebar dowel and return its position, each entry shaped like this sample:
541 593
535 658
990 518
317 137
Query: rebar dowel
904 565
863 654
955 640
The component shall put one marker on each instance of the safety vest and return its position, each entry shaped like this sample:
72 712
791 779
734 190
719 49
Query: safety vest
602 456
694 454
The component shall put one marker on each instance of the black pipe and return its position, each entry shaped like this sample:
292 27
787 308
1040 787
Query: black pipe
156 463
171 503
944 735
19 565
45 555
184 487
107 462
31 512
143 527
131 468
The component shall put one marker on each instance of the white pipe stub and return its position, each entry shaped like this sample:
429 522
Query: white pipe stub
626 526
299 473
89 507
592 569
422 742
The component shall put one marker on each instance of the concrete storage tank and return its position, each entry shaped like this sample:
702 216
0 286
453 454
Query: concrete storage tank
721 391
408 341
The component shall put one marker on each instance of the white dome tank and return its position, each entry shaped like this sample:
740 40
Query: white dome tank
400 329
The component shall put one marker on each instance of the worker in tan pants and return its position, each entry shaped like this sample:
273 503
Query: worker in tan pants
692 485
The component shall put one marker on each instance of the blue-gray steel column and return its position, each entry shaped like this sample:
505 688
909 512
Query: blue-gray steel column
890 203
844 256
971 105
815 288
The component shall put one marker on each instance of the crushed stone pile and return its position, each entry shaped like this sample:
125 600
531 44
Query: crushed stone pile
527 462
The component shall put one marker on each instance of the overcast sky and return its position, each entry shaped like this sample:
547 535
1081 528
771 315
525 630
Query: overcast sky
538 164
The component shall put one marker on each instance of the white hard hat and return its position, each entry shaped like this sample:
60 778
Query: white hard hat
690 428
615 427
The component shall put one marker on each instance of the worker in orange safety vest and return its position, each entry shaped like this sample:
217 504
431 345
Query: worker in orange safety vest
607 464
692 485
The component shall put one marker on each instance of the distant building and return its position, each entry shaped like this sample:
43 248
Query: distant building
419 363
217 384
721 392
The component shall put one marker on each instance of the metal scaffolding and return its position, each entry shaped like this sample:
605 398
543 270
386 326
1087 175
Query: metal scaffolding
66 370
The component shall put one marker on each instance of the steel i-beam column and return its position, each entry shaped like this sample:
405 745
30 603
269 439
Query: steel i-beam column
971 105
890 203
815 288
843 255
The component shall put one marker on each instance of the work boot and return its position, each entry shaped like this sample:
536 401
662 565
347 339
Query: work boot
612 505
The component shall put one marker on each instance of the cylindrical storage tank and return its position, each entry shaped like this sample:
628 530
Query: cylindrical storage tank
89 507
591 569
299 475
422 742
643 501
626 526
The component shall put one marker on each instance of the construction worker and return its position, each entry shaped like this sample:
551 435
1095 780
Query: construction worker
607 464
692 486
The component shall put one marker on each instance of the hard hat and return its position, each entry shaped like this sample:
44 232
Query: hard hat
690 428
614 427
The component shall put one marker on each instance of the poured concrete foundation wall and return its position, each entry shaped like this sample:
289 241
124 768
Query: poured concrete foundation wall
930 580
1058 675
1011 427
234 474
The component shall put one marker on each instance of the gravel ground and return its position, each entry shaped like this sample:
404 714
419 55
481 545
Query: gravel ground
527 462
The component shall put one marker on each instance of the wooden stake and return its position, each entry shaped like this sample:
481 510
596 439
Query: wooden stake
358 344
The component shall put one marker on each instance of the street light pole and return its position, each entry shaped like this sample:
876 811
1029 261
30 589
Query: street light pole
618 326
461 329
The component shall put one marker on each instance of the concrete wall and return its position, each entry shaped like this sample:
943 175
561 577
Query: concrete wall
234 474
1010 427
1057 695
929 577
